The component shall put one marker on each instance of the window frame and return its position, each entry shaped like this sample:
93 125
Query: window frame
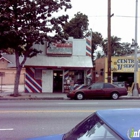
79 129
110 85
97 86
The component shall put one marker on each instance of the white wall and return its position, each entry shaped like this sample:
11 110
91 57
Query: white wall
79 46
40 47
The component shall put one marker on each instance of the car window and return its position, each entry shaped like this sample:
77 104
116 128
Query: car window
97 86
92 129
107 85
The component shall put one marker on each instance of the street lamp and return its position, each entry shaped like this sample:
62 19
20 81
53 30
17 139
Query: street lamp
135 90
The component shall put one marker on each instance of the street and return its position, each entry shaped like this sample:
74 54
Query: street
23 119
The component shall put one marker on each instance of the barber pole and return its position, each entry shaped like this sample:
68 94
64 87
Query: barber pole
88 45
31 84
66 74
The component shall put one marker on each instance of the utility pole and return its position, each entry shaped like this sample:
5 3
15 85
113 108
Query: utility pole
109 42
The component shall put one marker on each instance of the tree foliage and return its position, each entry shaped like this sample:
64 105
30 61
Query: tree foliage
77 26
96 41
25 22
117 47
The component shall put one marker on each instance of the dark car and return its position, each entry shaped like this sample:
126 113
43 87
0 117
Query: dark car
98 90
113 124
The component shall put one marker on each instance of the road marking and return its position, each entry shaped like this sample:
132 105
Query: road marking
45 111
6 129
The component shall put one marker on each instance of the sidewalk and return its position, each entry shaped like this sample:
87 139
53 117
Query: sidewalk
49 96
5 95
7 90
34 96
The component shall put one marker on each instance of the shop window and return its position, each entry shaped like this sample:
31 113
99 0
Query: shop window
38 74
77 76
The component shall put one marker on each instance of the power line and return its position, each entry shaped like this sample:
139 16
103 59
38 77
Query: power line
104 16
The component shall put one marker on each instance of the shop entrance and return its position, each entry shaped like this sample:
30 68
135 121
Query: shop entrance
57 81
126 78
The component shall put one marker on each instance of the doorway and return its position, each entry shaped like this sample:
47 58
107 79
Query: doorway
127 78
57 80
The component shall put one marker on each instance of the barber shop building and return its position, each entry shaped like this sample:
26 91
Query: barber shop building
59 67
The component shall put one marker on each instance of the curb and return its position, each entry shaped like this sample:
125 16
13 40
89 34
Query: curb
61 98
46 98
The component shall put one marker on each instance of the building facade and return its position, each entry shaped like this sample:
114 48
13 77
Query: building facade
60 67
122 70
8 70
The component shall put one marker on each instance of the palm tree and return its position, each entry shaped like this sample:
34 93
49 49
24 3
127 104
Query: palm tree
117 48
115 45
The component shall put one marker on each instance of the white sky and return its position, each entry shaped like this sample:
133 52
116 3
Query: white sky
122 23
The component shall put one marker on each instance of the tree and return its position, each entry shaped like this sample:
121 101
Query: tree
77 26
117 48
98 55
25 22
126 49
96 41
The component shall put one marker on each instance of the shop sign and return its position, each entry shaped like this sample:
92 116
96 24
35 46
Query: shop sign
125 64
60 49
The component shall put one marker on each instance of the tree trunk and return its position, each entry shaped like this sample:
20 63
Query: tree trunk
17 76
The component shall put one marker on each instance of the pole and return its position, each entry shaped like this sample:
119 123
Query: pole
91 54
1 83
109 41
135 90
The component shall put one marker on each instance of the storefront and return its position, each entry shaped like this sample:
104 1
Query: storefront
60 68
122 70
56 80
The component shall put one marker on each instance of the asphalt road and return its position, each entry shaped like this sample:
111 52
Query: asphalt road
23 119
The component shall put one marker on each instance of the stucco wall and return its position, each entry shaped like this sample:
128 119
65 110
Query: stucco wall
9 74
78 47
100 71
3 64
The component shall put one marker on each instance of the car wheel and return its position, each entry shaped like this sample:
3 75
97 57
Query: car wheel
115 96
79 96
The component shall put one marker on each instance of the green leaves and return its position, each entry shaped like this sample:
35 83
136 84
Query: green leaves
117 48
77 26
22 22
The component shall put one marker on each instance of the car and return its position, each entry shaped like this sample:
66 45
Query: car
110 124
98 90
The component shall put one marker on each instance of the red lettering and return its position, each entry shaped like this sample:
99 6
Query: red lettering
63 45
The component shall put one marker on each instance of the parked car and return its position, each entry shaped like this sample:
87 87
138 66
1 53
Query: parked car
98 90
113 124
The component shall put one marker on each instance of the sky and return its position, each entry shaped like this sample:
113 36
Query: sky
122 23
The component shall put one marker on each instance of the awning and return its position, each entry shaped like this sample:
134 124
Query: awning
73 61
